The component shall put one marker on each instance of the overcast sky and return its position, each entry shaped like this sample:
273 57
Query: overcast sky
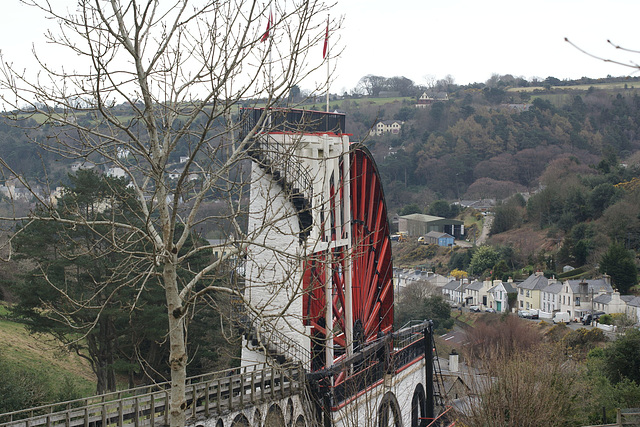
422 39
472 39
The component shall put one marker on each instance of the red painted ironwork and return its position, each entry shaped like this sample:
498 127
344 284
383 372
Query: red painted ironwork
370 260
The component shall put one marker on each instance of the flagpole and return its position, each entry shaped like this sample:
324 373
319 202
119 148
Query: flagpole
270 49
268 37
326 40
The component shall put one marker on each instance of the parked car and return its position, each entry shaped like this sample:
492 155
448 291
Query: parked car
490 310
524 314
561 317
590 317
475 308
535 314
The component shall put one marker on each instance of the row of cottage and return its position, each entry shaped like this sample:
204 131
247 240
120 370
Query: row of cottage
576 297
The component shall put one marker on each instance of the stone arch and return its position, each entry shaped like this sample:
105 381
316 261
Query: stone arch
289 413
300 421
274 417
389 411
240 421
257 418
418 406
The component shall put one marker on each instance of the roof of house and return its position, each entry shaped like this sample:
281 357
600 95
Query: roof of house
438 235
626 298
593 285
635 302
478 204
431 219
505 285
602 299
554 288
452 285
534 282
390 122
508 287
475 286
421 217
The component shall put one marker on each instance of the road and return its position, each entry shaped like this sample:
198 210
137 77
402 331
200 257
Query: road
486 227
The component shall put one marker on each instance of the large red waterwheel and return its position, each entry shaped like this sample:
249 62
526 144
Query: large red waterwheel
367 258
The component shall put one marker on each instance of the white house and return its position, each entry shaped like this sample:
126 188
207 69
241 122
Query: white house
499 295
576 296
454 291
388 126
477 293
633 309
404 277
611 303
550 299
76 166
116 172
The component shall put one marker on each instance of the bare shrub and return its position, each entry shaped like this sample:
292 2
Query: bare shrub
493 338
524 389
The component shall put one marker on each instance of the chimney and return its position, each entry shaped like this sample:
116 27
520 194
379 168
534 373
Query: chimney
453 361
583 287
607 279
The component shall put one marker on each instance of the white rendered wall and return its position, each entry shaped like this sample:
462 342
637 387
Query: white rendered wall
275 256
363 411
273 276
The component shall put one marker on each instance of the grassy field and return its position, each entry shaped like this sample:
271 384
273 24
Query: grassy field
585 87
39 354
321 106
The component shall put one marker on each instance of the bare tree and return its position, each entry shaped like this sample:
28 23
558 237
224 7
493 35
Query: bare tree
154 95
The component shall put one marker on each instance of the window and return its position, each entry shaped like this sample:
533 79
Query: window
528 294
577 301
521 304
521 292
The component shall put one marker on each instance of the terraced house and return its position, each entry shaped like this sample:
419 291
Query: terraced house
577 296
530 291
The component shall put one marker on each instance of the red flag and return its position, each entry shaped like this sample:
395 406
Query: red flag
326 41
265 36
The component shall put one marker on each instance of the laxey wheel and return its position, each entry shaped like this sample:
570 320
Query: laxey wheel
369 257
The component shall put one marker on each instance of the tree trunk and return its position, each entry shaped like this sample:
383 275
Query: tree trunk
178 353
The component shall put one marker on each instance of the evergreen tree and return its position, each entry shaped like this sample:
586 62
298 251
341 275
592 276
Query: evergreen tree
619 263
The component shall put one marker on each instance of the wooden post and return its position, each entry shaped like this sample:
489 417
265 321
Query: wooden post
273 382
241 391
231 393
136 408
166 407
120 415
152 405
206 399
619 417
253 387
